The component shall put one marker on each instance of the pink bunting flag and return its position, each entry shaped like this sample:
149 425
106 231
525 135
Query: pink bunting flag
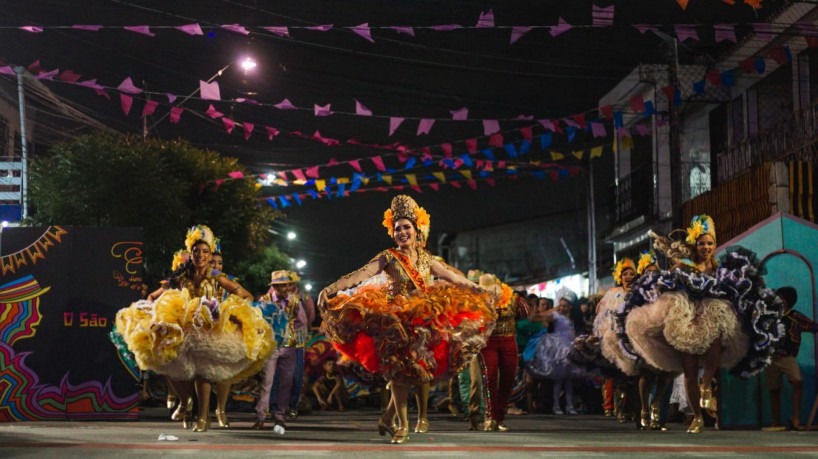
638 104
622 132
126 101
460 114
548 124
69 77
361 110
34 67
325 140
176 114
32 29
88 27
571 123
526 133
602 16
271 132
598 130
281 31
517 32
7 70
320 28
298 174
446 27
103 93
404 30
213 113
496 140
248 129
363 31
228 124
378 162
142 30
560 28
322 110
642 130
524 117
472 184
486 20
490 127
332 162
209 91
235 175
150 108
394 123
434 186
312 172
171 97
456 184
425 126
128 87
725 32
356 164
236 28
49 75
285 105
471 146
190 29
686 31
447 149
645 28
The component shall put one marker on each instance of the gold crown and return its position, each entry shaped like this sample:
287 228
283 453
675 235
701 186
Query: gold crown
701 224
405 207
621 265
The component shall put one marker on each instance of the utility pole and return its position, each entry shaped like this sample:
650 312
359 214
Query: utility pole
20 71
674 140
591 230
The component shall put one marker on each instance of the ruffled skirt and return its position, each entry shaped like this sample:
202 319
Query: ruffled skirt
414 338
184 338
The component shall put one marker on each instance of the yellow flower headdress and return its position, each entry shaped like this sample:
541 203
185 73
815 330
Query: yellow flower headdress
405 207
180 257
200 233
701 224
645 260
621 265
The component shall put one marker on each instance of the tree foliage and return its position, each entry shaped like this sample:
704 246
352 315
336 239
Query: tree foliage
162 186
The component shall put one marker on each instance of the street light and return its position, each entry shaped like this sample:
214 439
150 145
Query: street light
290 236
248 64
300 264
308 287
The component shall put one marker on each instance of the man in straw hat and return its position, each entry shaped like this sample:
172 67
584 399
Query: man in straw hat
283 297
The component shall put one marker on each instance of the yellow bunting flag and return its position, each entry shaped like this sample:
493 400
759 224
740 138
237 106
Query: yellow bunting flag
387 179
577 154
596 152
466 174
320 185
556 156
412 179
440 176
343 180
626 142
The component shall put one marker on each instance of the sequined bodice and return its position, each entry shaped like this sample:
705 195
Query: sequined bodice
400 282
208 288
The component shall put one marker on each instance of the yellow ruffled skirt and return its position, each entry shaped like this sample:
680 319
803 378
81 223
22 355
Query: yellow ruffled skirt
181 338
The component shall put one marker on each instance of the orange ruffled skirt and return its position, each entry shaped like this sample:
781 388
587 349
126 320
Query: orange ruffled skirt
415 338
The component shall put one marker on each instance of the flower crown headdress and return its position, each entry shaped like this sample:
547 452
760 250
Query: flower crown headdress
218 249
200 233
645 260
405 207
621 265
701 224
180 257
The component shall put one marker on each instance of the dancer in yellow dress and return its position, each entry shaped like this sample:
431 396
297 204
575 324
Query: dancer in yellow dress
409 330
185 332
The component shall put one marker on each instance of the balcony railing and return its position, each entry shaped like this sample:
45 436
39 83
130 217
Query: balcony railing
794 138
633 197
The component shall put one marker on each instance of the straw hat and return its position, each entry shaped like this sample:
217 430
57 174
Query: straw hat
282 276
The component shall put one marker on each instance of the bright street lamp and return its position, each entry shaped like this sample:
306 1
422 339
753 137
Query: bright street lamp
290 236
300 264
308 287
248 64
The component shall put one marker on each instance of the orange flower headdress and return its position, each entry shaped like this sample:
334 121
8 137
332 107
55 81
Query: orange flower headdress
621 265
405 207
701 224
200 233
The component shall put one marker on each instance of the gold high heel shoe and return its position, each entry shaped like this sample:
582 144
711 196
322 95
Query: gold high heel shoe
502 427
696 426
221 417
490 425
655 424
384 428
422 427
708 401
401 436
644 421
202 425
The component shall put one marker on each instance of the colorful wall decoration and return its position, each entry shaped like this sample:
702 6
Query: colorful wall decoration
59 292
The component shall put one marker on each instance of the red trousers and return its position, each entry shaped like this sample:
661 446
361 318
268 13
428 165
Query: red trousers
498 360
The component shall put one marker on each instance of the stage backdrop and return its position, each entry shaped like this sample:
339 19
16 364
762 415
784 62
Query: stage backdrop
59 293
